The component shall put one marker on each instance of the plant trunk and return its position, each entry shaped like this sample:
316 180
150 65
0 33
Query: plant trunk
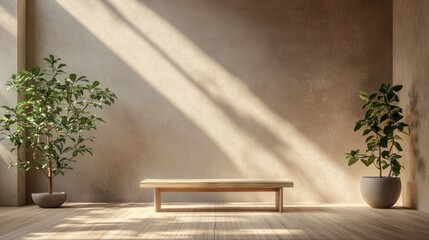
50 177
379 161
379 156
381 170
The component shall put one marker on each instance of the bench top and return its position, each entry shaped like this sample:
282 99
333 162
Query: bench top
215 183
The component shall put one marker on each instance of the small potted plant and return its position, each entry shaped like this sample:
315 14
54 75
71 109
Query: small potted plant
52 121
380 126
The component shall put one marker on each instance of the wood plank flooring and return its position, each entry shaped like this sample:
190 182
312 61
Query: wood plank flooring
210 221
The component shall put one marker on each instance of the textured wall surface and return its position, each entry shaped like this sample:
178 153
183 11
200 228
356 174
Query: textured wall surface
12 181
411 68
219 89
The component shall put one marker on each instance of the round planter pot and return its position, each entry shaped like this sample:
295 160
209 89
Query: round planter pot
380 192
46 200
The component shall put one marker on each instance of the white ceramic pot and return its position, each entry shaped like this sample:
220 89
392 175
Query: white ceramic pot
380 192
46 200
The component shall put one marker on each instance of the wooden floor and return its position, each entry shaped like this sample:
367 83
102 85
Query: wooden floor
210 221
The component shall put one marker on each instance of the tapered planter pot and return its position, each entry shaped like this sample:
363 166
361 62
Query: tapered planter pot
46 200
380 192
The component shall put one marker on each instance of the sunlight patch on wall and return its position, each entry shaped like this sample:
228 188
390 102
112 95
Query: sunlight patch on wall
8 33
7 97
8 26
8 21
5 154
259 141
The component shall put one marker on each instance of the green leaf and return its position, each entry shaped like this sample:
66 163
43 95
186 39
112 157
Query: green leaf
95 84
383 88
385 166
351 160
384 141
363 96
396 168
390 96
20 129
366 132
388 130
366 105
35 70
359 124
371 146
378 104
354 152
385 154
81 78
384 117
371 160
369 138
373 96
72 77
396 116
368 113
397 88
8 108
395 157
398 146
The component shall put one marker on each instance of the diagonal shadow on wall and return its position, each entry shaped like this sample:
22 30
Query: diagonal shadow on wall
176 139
246 124
124 137
305 60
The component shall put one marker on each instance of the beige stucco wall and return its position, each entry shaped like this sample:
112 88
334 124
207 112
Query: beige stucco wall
219 89
12 29
411 68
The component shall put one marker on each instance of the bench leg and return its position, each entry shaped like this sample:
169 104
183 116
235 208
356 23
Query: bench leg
279 199
157 199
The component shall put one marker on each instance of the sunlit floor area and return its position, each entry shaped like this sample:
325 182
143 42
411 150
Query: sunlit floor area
211 221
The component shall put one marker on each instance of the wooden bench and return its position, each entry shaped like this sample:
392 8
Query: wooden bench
216 185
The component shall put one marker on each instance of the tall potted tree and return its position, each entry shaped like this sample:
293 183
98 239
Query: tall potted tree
380 126
53 121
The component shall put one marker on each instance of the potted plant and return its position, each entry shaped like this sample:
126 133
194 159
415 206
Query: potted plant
380 127
52 121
